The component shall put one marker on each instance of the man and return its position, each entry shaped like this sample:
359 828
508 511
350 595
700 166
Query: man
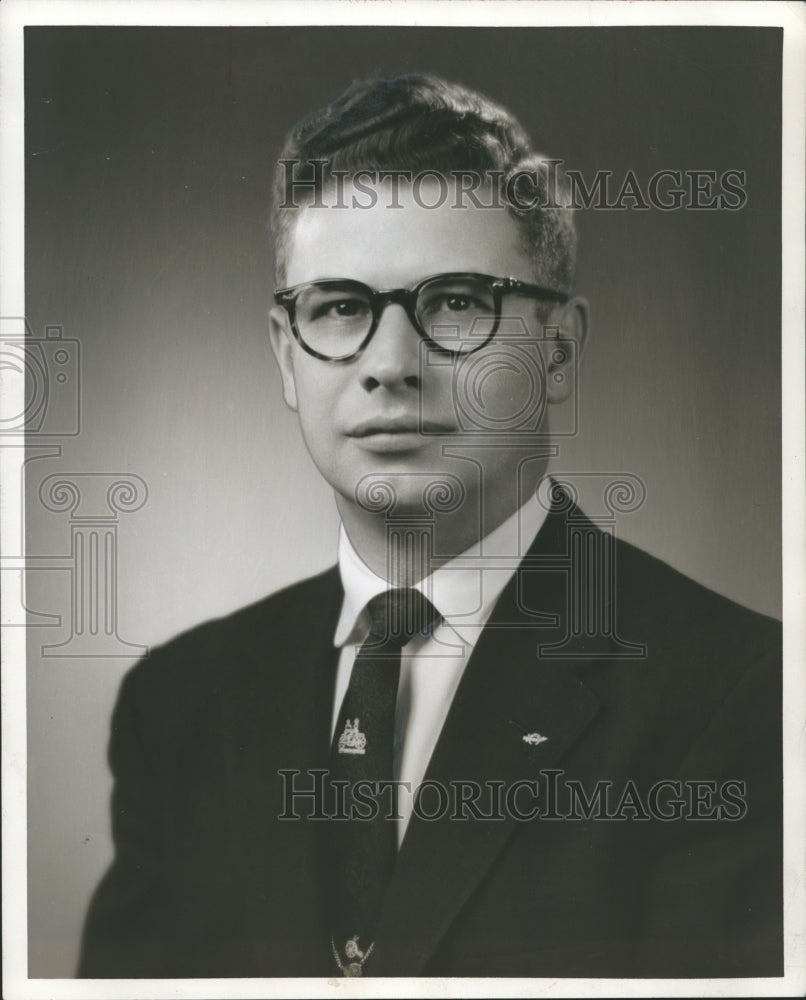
494 741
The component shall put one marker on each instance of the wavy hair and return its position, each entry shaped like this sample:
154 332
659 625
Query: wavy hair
421 122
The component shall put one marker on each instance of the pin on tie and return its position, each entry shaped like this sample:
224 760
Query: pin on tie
352 740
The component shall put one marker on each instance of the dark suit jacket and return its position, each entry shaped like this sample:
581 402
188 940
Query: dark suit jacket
207 881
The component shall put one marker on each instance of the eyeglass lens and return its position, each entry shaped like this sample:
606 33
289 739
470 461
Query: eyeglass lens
457 313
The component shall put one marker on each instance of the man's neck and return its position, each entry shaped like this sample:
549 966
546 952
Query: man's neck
406 548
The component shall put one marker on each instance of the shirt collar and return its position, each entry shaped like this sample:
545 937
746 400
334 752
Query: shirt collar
463 590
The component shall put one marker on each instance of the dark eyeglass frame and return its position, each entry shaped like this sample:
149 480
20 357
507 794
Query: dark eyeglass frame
407 297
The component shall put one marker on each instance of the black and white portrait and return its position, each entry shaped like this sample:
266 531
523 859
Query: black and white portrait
399 550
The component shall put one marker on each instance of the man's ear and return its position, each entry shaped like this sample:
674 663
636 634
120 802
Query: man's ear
564 346
282 346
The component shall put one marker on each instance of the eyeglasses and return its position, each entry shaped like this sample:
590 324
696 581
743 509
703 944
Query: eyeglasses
455 313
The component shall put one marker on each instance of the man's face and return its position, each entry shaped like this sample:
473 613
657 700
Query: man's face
365 417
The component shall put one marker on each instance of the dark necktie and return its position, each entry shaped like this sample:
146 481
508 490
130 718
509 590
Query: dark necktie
364 850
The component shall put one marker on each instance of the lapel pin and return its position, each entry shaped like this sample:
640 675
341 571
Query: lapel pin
533 739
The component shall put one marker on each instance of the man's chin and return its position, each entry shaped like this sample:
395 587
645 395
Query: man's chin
405 489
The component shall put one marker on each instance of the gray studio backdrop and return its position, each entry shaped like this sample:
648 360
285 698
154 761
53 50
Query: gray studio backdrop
148 158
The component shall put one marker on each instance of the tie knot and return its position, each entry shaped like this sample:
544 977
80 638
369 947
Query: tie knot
399 615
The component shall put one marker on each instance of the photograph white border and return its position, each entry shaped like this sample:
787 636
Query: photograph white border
791 16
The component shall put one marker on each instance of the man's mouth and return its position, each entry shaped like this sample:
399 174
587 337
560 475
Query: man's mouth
398 426
396 435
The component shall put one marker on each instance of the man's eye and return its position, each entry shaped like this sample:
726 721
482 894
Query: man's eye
339 309
457 304
347 307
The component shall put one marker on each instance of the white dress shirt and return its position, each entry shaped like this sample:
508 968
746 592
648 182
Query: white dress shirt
464 592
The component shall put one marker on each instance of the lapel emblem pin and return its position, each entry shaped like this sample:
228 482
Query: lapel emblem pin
352 740
533 739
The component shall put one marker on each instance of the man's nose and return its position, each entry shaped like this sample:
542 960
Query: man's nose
392 357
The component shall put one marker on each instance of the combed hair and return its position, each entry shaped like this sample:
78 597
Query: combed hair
420 122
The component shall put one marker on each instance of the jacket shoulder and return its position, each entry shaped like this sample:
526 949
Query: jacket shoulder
701 647
655 592
214 653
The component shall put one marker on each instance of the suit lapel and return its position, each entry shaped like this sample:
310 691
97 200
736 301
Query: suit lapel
508 692
282 674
